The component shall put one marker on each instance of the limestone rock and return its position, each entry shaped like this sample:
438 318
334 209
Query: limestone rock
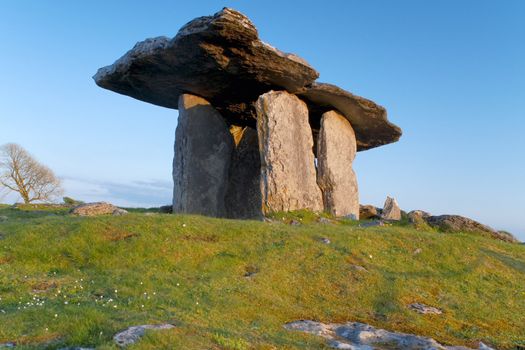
336 149
98 208
243 199
218 57
288 176
417 216
133 334
424 309
367 212
369 120
391 210
360 336
203 148
457 223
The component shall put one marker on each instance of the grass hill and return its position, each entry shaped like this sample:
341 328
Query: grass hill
227 284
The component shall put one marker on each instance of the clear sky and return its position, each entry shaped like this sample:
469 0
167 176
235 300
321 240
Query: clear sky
450 73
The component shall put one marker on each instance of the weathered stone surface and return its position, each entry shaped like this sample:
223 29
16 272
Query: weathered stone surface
369 120
98 208
243 199
218 57
336 149
133 334
368 212
391 210
203 148
417 217
424 309
457 223
360 336
288 176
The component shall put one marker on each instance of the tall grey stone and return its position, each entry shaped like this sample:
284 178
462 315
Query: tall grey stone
288 176
243 199
391 210
203 149
336 149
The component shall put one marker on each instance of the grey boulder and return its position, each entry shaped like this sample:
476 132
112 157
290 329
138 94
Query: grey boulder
97 208
133 334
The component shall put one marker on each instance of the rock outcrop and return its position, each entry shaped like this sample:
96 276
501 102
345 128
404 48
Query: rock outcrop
203 148
360 336
288 176
133 334
243 199
336 149
367 212
391 210
97 208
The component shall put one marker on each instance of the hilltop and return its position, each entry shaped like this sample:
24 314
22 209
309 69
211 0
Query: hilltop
232 284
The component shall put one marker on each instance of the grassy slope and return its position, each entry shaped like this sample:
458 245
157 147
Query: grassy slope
191 270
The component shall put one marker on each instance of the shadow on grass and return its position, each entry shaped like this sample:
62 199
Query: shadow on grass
507 260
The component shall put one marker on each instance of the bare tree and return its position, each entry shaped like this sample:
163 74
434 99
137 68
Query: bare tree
20 172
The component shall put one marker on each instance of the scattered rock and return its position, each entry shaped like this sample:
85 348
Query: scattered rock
372 223
323 220
98 208
424 309
166 209
417 217
336 149
119 212
367 212
391 210
325 240
418 251
506 236
7 345
294 222
133 334
358 268
288 175
203 148
243 198
360 336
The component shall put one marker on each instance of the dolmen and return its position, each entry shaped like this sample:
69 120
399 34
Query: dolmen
256 132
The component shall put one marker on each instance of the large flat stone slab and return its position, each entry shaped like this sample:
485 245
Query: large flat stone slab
368 119
219 58
203 148
288 176
336 149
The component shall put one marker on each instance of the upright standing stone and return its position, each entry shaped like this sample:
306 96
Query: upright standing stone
243 199
336 149
203 148
391 210
288 177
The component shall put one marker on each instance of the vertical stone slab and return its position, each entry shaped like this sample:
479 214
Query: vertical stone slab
288 177
336 149
203 148
243 199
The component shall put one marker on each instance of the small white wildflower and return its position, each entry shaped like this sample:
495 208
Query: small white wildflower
56 315
370 256
183 225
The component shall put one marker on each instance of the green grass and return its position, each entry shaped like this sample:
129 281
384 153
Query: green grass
230 284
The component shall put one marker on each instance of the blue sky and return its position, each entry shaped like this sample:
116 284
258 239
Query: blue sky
450 73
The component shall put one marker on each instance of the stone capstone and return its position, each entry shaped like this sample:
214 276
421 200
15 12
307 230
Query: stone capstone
98 208
288 175
336 149
368 119
222 59
391 210
243 198
203 148
218 57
